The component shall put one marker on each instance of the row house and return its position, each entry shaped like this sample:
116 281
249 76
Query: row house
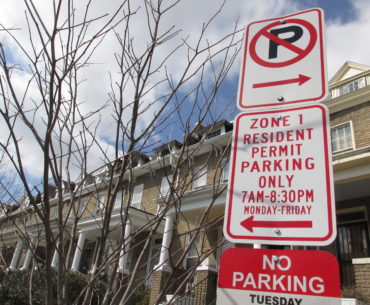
171 214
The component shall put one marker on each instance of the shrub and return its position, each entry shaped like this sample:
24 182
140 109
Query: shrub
14 287
141 296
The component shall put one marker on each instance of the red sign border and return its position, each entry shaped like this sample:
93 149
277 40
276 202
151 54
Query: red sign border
319 241
322 57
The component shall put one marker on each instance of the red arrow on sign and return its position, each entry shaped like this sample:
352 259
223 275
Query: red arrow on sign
250 223
301 79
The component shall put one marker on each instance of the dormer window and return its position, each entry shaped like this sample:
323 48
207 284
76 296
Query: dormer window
67 187
88 180
167 149
26 203
214 133
218 129
104 173
352 86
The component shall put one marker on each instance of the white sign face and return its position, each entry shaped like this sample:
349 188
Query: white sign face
278 277
281 181
284 61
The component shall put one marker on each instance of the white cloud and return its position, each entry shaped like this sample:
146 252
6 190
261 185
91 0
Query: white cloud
345 42
349 41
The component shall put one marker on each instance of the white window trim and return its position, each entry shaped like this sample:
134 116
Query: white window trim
353 146
120 198
166 185
138 189
100 204
225 174
199 177
82 206
150 256
352 82
26 203
197 244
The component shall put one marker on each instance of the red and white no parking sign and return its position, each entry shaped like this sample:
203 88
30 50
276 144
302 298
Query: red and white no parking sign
284 61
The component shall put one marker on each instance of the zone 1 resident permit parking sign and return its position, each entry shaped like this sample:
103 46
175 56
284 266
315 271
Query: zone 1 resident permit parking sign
281 187
284 61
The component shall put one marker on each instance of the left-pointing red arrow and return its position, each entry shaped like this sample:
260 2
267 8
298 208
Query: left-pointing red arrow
250 223
301 79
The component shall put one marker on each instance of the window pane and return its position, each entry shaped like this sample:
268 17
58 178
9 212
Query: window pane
119 200
136 198
225 170
165 186
82 206
100 204
353 86
194 249
200 176
341 137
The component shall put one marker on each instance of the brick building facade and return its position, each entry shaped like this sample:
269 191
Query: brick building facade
185 202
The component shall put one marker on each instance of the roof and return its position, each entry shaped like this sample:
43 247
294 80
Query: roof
348 70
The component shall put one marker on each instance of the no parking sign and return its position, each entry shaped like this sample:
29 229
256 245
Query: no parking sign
278 277
284 61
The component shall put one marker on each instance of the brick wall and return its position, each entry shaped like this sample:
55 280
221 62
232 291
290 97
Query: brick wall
362 278
360 117
205 287
158 280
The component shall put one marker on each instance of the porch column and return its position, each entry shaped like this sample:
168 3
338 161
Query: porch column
55 261
78 252
27 259
163 264
125 248
17 253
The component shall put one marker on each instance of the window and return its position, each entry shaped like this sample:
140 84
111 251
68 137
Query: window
355 85
26 203
200 176
56 212
81 206
165 185
155 252
88 180
214 133
194 251
225 170
100 204
119 199
136 198
129 259
108 251
341 137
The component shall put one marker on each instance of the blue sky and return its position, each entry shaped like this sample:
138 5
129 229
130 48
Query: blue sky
337 9
334 10
347 27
